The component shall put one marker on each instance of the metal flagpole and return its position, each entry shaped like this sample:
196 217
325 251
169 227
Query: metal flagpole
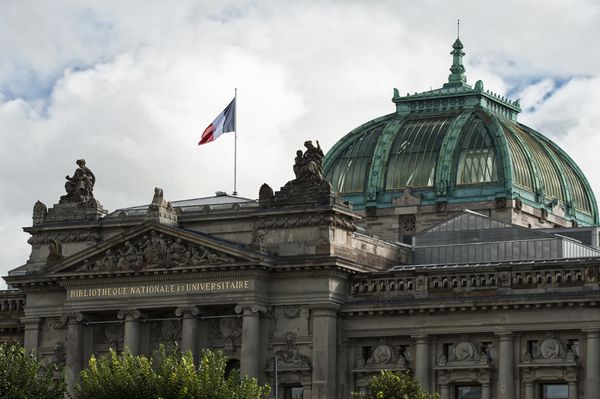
235 144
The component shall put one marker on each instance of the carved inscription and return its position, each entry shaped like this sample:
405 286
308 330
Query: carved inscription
157 289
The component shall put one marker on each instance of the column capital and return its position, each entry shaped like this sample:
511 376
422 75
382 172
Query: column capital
73 317
187 311
130 313
505 335
249 308
324 311
421 338
31 321
592 332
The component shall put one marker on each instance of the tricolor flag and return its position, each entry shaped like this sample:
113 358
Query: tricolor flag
223 123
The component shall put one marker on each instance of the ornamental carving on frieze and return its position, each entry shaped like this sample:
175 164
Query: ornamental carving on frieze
291 312
72 236
306 220
154 250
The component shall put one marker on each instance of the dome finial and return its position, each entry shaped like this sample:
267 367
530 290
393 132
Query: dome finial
457 77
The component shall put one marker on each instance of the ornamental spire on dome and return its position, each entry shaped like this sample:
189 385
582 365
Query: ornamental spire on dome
457 77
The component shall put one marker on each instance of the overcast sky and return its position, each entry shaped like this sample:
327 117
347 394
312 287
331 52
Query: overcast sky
131 85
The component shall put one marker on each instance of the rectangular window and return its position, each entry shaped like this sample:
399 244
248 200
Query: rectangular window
468 392
294 393
555 391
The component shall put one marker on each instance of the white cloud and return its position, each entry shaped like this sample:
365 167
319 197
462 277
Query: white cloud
131 85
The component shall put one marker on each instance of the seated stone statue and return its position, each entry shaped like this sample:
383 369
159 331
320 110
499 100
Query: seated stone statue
309 166
79 187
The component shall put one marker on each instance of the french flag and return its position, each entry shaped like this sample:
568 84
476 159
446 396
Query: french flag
223 123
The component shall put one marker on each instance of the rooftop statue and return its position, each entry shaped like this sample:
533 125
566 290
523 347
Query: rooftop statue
309 166
79 187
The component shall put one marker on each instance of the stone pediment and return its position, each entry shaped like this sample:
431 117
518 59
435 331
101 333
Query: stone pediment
154 246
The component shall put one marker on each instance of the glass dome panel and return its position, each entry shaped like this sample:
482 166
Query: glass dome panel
351 168
414 153
521 172
548 173
577 189
477 159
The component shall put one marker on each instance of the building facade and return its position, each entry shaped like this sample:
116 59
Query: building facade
445 239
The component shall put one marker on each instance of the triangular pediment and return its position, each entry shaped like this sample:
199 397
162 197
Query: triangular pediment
157 246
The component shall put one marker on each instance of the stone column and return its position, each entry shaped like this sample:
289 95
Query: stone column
189 329
74 350
249 362
592 365
506 367
486 392
32 333
444 391
572 389
324 322
422 367
133 320
529 392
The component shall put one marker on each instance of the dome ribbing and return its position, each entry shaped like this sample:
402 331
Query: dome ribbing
457 144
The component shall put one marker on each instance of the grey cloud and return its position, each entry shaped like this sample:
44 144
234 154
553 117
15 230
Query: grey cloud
131 85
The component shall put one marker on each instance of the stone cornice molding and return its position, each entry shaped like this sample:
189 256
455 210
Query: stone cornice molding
162 276
187 311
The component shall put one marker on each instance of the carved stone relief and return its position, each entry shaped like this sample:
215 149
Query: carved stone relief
110 334
383 356
291 319
290 355
59 354
230 328
39 212
465 353
154 250
550 349
167 332
226 332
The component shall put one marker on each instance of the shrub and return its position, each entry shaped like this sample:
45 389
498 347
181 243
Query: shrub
22 376
165 375
396 385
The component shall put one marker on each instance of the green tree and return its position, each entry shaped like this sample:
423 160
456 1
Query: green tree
395 385
22 376
167 374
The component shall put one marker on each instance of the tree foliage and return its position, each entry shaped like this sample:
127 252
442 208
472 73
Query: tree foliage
22 376
396 385
165 375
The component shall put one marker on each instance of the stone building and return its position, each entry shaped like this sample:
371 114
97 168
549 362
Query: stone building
445 239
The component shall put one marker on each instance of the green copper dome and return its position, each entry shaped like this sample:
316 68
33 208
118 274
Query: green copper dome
457 144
